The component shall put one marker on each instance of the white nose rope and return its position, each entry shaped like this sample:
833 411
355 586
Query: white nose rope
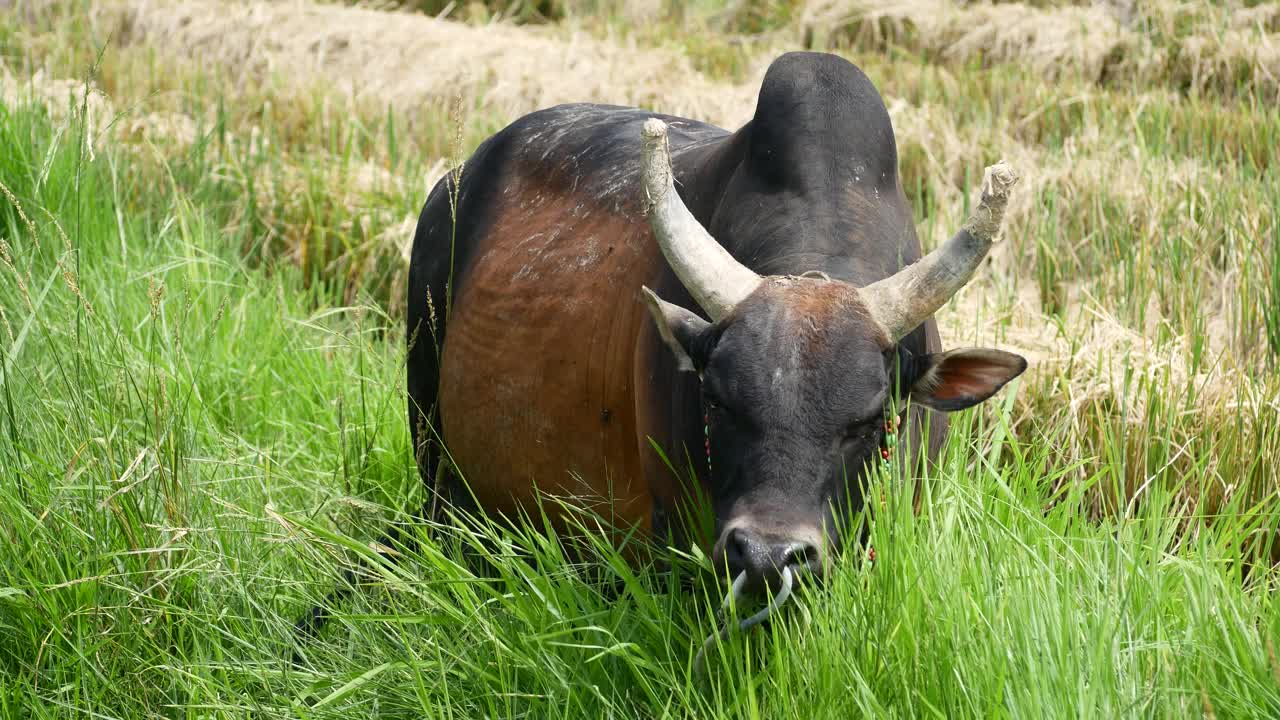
736 593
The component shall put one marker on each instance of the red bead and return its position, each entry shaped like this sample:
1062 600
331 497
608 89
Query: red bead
884 453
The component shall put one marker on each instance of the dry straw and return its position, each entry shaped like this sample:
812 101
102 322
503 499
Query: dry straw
410 61
64 99
1203 46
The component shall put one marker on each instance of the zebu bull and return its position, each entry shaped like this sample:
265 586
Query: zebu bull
597 276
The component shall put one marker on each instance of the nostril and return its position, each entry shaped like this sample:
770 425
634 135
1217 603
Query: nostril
745 550
803 554
763 557
740 548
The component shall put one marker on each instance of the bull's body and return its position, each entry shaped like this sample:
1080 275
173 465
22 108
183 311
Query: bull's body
550 375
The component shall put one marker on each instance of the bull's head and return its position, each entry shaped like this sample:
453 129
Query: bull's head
799 374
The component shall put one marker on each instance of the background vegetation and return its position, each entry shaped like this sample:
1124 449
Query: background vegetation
206 209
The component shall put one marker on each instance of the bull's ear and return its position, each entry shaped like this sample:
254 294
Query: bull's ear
958 379
678 327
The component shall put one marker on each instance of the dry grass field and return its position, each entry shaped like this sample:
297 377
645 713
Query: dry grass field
203 244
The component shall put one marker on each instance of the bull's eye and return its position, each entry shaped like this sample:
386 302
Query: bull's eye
859 431
712 408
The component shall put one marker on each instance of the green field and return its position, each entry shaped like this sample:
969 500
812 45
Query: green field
203 227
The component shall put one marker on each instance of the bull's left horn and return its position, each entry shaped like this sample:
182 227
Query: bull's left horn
715 280
901 302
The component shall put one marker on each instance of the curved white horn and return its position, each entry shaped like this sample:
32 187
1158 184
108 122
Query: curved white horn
715 280
901 302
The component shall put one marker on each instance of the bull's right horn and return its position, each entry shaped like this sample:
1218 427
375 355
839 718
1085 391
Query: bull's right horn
716 281
904 300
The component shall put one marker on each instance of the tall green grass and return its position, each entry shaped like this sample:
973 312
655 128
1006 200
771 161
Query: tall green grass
195 445
161 400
